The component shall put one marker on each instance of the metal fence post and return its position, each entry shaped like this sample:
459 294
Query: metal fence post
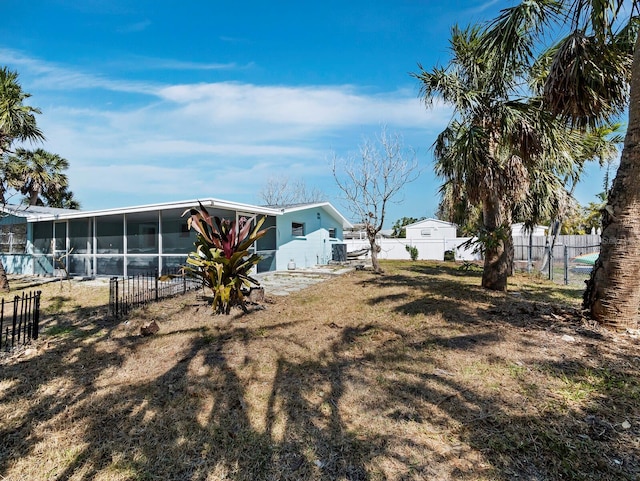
530 253
36 314
566 265
15 321
116 298
2 322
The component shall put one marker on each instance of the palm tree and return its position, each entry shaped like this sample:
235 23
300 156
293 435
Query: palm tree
61 198
39 172
591 76
17 122
493 148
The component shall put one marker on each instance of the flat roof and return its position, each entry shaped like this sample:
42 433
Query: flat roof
38 213
41 214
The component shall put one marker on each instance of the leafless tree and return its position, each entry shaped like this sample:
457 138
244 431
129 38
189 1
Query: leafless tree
283 191
374 178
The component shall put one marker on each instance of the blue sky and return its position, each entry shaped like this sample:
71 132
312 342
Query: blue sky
156 101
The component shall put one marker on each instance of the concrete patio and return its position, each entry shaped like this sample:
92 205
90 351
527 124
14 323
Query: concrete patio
283 283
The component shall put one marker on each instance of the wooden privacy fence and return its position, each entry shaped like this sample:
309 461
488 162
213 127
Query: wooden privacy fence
560 264
19 320
125 293
537 245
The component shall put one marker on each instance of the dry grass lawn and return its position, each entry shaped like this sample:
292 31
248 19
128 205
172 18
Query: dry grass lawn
417 374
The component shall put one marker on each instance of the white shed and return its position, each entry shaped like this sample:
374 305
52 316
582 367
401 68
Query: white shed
518 230
431 229
431 237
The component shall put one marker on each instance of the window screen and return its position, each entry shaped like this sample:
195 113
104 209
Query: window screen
297 229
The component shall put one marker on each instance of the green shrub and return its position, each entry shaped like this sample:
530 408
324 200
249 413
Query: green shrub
449 256
413 252
222 259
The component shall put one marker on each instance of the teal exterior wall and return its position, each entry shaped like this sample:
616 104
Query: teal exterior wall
8 219
315 246
17 263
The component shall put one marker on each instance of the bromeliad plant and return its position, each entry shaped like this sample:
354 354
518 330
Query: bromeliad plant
222 259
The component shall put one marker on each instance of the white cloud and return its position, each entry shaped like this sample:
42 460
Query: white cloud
310 107
482 7
169 64
135 27
48 76
138 62
185 140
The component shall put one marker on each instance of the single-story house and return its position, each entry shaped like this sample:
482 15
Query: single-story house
131 240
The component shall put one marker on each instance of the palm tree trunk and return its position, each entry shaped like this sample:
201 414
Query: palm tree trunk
613 290
33 197
510 253
4 281
498 248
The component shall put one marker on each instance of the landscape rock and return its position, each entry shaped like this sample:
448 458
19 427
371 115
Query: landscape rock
256 294
150 329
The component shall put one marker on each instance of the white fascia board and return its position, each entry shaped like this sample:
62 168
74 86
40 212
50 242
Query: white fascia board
254 209
431 220
160 206
325 205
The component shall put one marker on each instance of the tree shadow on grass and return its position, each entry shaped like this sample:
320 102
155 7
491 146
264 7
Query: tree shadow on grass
460 299
552 439
191 422
379 401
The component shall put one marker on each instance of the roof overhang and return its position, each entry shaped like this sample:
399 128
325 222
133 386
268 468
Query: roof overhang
324 205
443 223
68 214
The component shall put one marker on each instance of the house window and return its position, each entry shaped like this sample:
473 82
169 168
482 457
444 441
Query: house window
332 232
426 232
13 238
297 229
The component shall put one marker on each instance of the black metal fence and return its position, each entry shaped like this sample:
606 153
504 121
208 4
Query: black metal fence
19 320
126 293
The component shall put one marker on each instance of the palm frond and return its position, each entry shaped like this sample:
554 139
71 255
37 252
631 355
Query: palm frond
17 120
588 81
512 36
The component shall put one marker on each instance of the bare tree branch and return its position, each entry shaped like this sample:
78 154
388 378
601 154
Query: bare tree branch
373 179
283 191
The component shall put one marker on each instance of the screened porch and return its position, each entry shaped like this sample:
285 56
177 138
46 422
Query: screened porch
126 244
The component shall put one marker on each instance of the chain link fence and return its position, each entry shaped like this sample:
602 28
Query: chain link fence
564 264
